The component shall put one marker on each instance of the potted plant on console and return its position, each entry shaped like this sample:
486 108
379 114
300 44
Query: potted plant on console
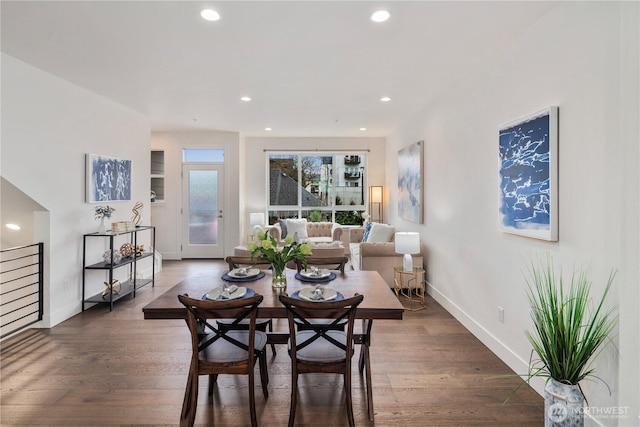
569 330
102 212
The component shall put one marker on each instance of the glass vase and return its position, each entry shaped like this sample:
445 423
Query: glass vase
279 280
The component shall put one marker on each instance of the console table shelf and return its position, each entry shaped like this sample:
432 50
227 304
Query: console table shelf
127 287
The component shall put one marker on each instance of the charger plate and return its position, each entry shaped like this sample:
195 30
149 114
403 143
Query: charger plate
249 272
229 278
315 279
322 273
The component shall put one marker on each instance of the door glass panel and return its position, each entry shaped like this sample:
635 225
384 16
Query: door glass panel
203 207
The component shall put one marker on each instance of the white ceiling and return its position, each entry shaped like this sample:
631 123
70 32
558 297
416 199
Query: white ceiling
313 68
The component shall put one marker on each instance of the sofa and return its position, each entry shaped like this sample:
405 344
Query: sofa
308 232
378 252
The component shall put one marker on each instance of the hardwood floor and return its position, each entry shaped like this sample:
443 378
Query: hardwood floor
104 368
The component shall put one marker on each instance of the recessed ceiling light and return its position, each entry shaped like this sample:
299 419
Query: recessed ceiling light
385 99
380 15
363 128
13 226
267 129
210 15
245 98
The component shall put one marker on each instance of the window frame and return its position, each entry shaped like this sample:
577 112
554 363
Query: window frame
301 211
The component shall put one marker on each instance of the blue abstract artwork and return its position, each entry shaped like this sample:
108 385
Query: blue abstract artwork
410 205
528 176
108 179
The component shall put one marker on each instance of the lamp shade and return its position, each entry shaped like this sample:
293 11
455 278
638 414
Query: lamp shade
256 218
407 242
376 194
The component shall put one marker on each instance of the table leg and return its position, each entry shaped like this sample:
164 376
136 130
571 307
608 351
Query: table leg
365 363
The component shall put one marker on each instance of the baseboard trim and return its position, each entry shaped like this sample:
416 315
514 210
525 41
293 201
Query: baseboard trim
500 349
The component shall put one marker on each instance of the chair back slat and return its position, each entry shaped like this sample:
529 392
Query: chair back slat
241 261
335 263
335 310
198 311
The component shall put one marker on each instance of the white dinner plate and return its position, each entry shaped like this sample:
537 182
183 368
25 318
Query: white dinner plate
219 295
322 273
328 294
236 273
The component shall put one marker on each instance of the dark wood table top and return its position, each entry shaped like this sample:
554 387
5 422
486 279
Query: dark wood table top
379 300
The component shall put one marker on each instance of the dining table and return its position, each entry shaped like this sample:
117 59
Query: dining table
379 303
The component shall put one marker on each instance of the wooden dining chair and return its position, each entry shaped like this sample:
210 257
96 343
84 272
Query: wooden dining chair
217 350
242 261
261 324
319 348
333 263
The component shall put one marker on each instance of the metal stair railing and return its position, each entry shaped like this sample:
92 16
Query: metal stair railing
21 287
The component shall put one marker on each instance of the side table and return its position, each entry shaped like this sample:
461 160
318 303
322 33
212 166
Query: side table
408 283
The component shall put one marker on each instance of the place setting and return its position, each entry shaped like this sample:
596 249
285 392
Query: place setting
228 292
315 274
318 294
243 274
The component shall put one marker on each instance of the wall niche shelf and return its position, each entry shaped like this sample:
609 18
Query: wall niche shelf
157 175
129 286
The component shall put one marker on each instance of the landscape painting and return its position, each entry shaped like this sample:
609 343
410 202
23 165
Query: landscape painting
410 172
529 175
108 179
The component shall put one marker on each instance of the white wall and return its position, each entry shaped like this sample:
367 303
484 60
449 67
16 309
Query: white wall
570 58
48 125
166 215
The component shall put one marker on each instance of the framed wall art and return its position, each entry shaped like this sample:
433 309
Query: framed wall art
528 151
108 179
410 176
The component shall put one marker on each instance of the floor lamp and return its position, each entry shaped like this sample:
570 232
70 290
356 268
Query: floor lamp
375 200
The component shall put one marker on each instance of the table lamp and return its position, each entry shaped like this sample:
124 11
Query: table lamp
256 219
407 243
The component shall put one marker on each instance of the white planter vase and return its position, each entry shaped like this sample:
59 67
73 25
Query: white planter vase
563 405
102 228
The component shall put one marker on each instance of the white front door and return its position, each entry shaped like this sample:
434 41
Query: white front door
202 211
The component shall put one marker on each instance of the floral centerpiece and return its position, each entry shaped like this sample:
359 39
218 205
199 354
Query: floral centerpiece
267 248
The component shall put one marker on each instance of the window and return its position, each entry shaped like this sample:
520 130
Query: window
320 187
202 156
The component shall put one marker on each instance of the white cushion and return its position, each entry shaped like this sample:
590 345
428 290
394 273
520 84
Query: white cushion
380 233
354 249
297 226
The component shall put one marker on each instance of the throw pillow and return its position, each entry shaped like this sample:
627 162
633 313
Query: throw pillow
367 230
381 233
283 227
297 226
